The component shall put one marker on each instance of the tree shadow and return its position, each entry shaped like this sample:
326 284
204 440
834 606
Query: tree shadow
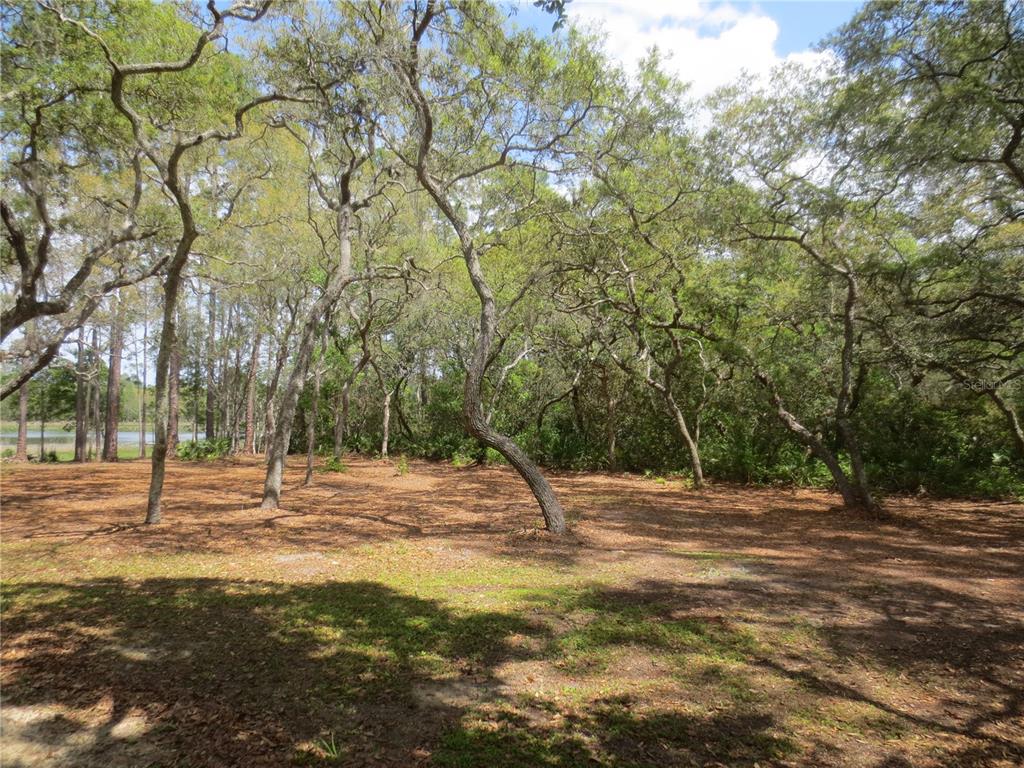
210 672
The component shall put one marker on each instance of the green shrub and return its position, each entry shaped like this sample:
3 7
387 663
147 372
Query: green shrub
461 460
402 465
334 464
204 450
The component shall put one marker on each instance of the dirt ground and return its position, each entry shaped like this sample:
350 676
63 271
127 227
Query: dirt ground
387 619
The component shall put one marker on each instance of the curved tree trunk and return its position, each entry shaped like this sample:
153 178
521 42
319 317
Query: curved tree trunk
688 441
850 498
472 404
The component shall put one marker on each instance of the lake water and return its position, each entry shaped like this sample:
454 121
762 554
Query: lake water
58 438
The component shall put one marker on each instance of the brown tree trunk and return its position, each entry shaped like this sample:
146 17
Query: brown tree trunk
168 340
114 384
249 446
473 412
341 419
142 387
610 426
1012 419
472 403
21 450
173 399
236 401
688 441
818 448
336 283
270 421
385 424
81 402
94 399
210 340
311 425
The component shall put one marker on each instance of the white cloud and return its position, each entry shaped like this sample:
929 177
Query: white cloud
706 46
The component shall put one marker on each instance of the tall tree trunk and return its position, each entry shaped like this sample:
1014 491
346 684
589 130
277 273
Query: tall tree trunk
845 400
311 424
385 424
237 399
270 421
610 426
168 340
142 389
114 384
81 402
341 419
249 447
195 403
210 341
336 283
42 421
96 445
21 451
173 399
225 385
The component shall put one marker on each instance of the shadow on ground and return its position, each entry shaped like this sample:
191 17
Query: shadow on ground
214 673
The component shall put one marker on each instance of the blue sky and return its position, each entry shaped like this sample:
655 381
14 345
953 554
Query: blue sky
802 23
708 43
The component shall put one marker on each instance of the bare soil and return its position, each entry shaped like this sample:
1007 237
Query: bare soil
387 619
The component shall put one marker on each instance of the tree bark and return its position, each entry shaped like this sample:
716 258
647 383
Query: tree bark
168 339
341 420
385 424
1012 419
114 384
173 400
311 424
21 451
688 441
142 386
210 341
81 402
96 445
249 447
818 448
270 422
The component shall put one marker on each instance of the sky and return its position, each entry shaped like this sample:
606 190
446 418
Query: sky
709 43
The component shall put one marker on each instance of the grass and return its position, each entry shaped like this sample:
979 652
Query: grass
383 625
124 452
425 650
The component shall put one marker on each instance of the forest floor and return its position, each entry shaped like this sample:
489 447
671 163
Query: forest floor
386 619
